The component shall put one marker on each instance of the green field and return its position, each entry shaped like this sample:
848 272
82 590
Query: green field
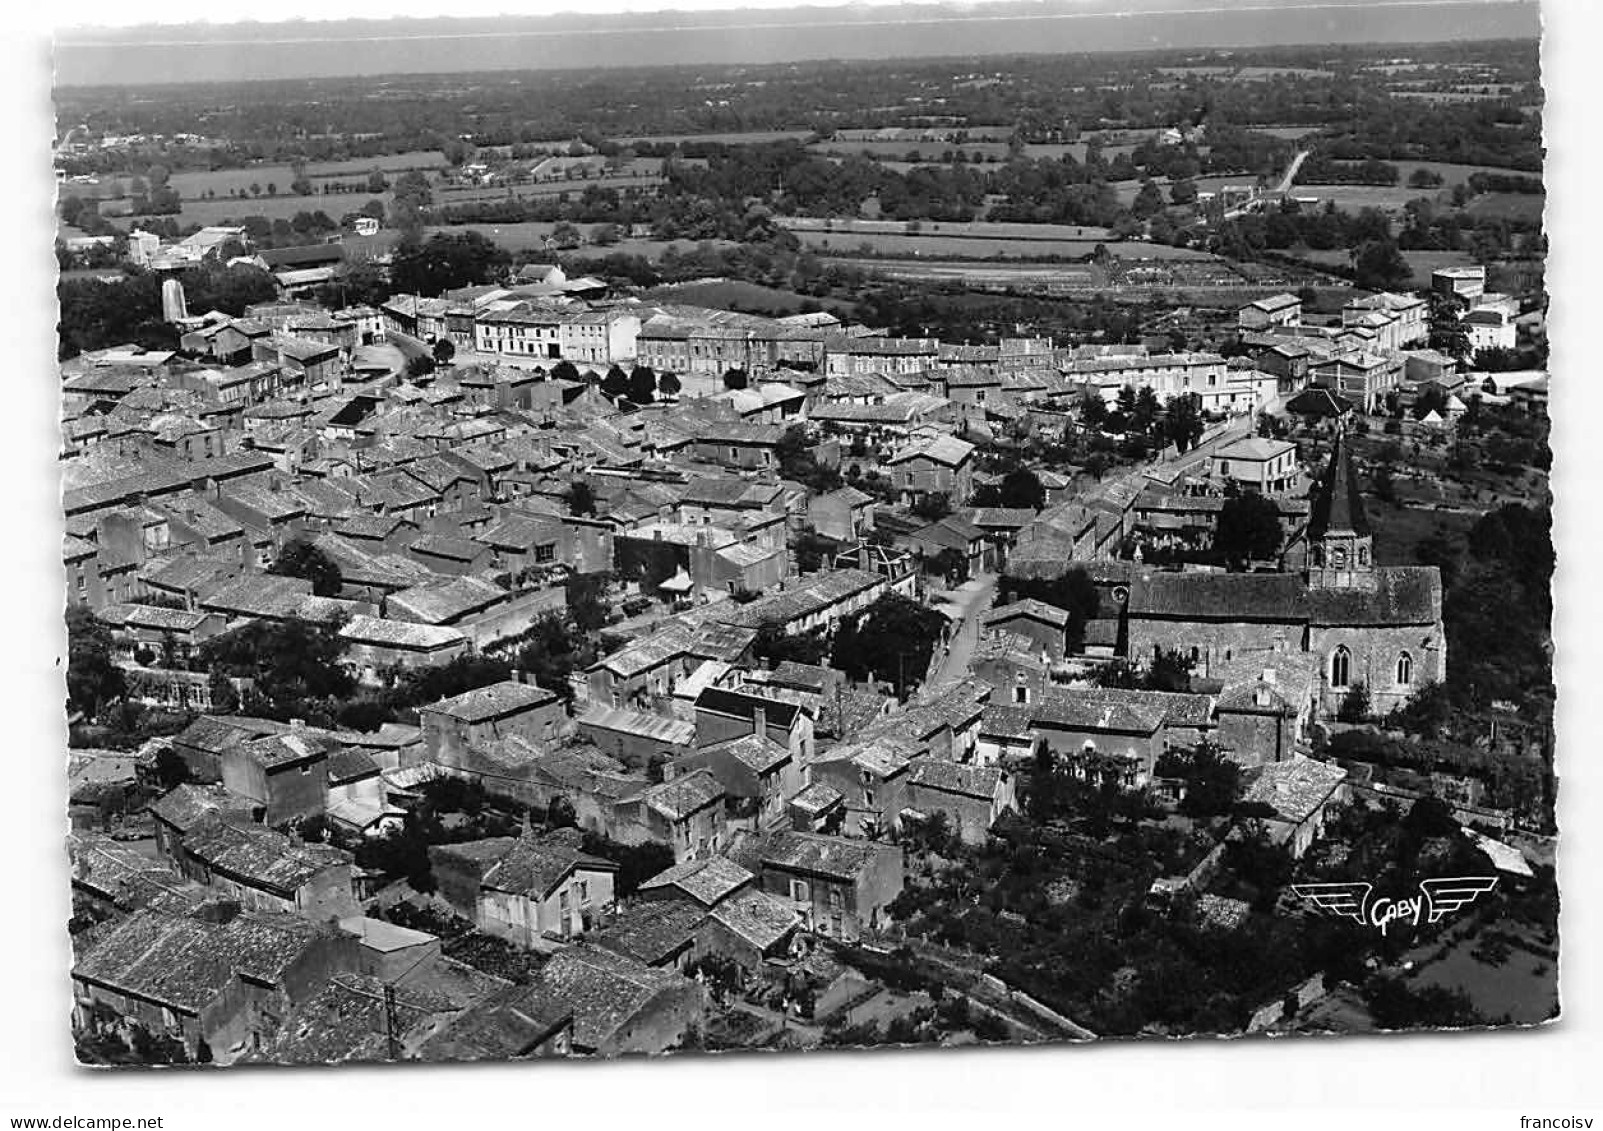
1508 206
494 193
977 230
1355 198
1074 149
226 182
1423 262
755 137
531 236
1287 133
938 246
926 150
981 274
281 207
732 294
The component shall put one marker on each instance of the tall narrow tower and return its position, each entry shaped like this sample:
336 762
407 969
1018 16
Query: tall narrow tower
174 308
1341 551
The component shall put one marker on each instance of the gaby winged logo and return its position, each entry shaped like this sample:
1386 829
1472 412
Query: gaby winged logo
1437 898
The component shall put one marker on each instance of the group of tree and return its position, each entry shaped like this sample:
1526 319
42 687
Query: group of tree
97 314
446 261
1073 591
892 641
1020 489
639 385
1248 529
303 558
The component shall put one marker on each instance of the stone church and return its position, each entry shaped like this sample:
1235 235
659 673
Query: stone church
1361 623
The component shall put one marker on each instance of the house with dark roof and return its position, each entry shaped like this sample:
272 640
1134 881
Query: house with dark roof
1301 792
1263 712
707 881
750 928
286 774
723 715
619 1004
660 933
486 714
756 772
184 809
686 814
1045 625
1114 734
972 798
839 887
269 871
217 979
545 890
518 1023
943 465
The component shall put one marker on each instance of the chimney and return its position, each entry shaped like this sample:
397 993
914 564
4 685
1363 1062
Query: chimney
759 721
296 726
516 676
1269 676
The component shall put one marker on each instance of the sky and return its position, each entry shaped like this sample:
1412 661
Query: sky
604 34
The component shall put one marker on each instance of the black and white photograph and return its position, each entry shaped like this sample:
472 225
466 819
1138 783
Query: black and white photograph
677 532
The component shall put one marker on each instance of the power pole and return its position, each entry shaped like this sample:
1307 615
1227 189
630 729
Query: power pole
389 1022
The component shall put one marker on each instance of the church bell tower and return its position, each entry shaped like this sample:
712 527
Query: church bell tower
1341 552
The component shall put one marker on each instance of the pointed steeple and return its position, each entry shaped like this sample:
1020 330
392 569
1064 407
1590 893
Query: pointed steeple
1338 507
1340 541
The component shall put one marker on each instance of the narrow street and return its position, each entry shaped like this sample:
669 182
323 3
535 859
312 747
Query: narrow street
973 597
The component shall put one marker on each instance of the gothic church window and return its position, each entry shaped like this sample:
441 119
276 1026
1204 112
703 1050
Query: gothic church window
1405 670
1340 667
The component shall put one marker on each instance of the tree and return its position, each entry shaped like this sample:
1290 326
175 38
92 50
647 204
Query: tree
1379 266
566 236
296 667
1249 529
93 679
171 771
420 366
1212 780
303 558
668 385
615 384
376 182
1148 201
444 351
1093 410
735 379
446 261
1354 705
932 506
1020 488
893 639
564 370
587 603
581 499
642 385
1182 422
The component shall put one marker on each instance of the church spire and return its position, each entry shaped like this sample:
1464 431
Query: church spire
1340 541
1338 508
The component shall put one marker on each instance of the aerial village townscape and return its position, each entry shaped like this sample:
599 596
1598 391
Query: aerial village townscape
926 552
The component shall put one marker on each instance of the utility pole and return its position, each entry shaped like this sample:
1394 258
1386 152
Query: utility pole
389 1022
